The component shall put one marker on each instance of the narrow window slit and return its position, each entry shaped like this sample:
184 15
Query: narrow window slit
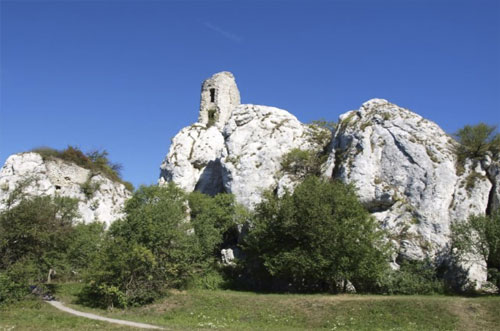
212 95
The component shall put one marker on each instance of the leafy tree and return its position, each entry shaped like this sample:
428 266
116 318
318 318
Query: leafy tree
215 221
37 228
85 242
480 234
476 140
35 234
315 239
152 249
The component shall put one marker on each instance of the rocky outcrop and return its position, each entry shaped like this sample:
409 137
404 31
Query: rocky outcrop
100 199
241 155
404 166
406 174
256 138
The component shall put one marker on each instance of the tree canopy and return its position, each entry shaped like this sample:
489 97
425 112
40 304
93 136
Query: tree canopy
316 239
476 140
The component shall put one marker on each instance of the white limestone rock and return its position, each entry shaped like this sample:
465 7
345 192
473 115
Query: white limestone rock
404 168
194 160
257 138
58 177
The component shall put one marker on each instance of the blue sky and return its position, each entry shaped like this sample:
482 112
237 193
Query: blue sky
125 75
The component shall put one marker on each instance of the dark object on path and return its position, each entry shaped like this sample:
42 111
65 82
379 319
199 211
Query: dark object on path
41 293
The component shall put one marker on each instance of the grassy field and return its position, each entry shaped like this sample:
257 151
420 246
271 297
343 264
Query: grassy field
230 310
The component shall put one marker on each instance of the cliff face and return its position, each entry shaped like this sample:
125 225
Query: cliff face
403 166
100 199
406 174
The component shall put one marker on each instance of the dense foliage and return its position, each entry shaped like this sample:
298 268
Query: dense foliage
215 221
476 140
145 253
316 239
302 163
157 247
413 277
38 241
96 161
480 235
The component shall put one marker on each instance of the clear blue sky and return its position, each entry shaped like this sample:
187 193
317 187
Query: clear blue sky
125 75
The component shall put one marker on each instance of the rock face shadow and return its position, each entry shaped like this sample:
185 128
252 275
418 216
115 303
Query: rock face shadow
210 181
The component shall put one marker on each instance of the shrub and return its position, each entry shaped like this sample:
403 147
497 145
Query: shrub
322 131
476 140
85 242
413 277
89 187
314 240
150 250
36 228
215 221
35 234
302 163
11 290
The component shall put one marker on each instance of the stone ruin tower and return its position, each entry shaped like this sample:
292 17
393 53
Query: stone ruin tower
219 96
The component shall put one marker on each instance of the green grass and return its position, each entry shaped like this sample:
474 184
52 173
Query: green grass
38 315
231 310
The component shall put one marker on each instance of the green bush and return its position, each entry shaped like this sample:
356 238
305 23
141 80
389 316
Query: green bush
35 234
215 221
302 163
476 140
86 240
314 240
413 277
89 188
37 228
152 249
11 290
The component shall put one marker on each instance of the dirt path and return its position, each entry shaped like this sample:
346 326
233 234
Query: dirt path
61 306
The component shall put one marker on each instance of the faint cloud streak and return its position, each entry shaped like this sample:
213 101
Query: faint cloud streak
224 33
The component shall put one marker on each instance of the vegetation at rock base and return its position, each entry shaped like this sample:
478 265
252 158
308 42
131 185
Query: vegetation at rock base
97 161
145 253
316 239
480 235
215 222
155 247
413 277
39 241
476 140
